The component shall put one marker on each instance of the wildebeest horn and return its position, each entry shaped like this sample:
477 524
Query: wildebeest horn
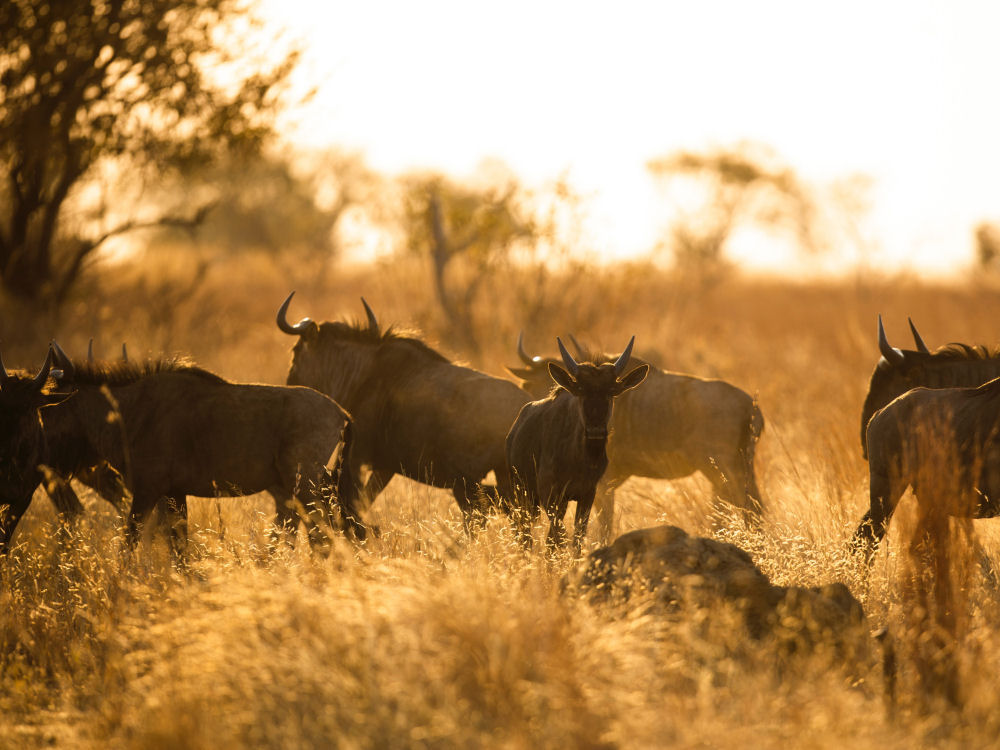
525 357
576 345
61 359
372 322
124 352
623 359
567 359
4 377
90 350
43 374
921 346
892 355
293 330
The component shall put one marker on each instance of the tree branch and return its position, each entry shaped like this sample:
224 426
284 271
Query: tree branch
88 247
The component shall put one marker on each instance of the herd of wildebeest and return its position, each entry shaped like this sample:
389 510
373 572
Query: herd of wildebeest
363 403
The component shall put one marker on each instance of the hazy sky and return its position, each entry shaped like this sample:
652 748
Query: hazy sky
906 92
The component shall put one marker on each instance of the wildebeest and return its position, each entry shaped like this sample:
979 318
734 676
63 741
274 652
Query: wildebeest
897 371
673 426
22 442
557 447
942 442
415 413
102 477
172 429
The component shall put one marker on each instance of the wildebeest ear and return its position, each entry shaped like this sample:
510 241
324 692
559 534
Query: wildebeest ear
633 379
562 377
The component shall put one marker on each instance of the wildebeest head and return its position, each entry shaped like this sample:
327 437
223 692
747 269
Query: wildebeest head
595 386
335 357
535 376
899 370
21 439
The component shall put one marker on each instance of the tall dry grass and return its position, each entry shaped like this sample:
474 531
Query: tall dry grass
425 639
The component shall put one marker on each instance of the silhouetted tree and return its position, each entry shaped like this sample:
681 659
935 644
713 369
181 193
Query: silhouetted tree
988 246
280 203
745 183
158 84
467 233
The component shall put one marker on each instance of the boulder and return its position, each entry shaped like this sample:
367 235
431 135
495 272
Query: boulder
665 571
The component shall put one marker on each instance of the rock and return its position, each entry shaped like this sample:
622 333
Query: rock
666 571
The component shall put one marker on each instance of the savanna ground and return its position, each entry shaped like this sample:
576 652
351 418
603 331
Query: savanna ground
424 639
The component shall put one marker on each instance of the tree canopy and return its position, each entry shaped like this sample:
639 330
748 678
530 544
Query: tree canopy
743 183
160 84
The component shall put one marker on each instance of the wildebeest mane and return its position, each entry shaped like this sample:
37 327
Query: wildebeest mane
360 333
116 373
957 351
950 353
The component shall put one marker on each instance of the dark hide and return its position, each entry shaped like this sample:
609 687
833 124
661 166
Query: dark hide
674 426
174 430
415 413
22 443
557 447
899 370
102 478
941 442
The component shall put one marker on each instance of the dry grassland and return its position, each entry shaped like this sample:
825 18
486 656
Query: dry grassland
424 639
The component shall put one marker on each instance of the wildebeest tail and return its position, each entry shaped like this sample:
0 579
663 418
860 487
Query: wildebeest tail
347 486
748 449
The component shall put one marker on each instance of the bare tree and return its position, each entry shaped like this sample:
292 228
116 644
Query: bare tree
467 233
988 246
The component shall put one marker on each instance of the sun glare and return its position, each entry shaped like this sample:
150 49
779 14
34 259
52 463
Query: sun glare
900 93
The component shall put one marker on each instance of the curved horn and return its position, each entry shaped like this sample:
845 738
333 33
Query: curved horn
4 377
372 321
62 359
124 352
623 358
567 359
525 357
90 350
921 346
43 374
292 330
892 355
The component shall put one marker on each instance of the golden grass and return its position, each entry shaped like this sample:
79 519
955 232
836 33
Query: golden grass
425 639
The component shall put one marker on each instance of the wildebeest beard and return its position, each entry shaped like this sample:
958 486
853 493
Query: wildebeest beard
595 449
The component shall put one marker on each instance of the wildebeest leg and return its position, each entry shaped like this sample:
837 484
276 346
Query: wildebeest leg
580 521
348 497
377 481
62 495
106 482
66 502
883 499
555 509
604 504
286 517
9 518
315 494
461 492
731 484
142 506
176 511
522 505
